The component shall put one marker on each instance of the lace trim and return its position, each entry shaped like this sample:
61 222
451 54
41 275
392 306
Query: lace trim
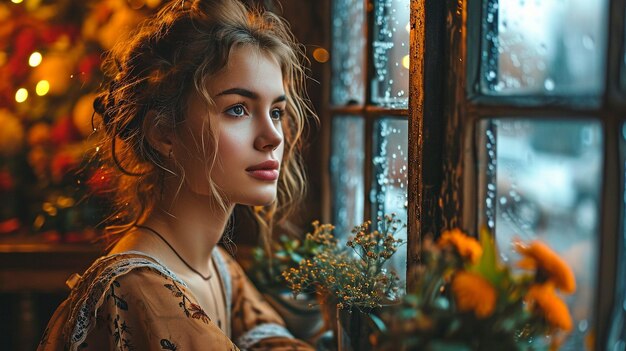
86 301
260 332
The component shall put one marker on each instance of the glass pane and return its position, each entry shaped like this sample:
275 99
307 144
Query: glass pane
554 47
348 50
390 47
390 178
547 186
617 333
346 169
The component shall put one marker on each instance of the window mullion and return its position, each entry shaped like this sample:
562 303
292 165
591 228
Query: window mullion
369 122
368 172
371 110
609 237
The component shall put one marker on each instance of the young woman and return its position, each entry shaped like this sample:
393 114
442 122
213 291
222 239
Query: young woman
204 111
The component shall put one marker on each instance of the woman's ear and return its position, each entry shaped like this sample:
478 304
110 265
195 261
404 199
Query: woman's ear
158 135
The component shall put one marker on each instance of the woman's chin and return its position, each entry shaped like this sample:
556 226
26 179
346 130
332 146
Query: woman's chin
261 199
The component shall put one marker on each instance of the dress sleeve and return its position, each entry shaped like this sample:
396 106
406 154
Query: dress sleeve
255 324
144 310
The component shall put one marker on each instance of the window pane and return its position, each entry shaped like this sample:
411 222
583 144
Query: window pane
554 47
346 168
390 47
617 333
348 50
390 178
546 186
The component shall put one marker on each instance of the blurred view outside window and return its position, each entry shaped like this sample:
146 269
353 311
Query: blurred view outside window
346 167
348 50
550 47
387 136
390 50
546 186
389 188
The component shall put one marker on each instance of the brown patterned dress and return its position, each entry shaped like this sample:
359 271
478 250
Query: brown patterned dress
130 301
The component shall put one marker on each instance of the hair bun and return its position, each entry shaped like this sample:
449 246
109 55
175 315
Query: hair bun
103 102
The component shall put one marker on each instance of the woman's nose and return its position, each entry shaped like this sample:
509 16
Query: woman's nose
270 134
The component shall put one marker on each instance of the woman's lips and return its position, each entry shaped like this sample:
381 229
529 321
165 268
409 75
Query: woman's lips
267 170
264 174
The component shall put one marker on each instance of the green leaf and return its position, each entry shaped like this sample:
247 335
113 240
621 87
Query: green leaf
488 266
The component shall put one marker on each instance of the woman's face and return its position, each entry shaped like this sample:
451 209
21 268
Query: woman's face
249 103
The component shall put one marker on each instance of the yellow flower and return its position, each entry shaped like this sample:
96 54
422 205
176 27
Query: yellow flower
554 309
474 293
538 255
466 246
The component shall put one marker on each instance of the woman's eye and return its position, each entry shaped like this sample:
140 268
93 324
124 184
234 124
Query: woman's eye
277 113
237 111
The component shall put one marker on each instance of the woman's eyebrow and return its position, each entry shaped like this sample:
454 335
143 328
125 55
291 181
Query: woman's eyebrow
248 94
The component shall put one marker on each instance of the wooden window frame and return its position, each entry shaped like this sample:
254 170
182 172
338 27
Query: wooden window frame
444 110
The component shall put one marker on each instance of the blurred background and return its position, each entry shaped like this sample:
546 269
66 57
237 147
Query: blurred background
52 201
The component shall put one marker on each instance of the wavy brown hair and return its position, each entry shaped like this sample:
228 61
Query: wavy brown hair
154 72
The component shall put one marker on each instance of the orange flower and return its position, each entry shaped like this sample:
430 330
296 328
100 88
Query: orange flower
538 255
466 246
474 293
554 309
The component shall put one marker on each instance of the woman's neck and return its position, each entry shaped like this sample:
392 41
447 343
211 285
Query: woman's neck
191 223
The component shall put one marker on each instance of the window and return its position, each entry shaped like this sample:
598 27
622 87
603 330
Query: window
369 99
529 138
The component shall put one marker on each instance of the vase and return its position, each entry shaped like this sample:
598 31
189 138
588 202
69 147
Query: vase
354 330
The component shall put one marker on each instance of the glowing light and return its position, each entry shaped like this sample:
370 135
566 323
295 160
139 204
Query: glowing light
405 61
408 27
35 59
21 95
17 1
321 55
42 87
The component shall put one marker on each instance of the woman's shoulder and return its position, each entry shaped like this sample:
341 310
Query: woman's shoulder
132 265
89 291
132 292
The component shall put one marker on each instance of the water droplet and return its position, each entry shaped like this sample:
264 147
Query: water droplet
490 17
503 200
588 42
548 84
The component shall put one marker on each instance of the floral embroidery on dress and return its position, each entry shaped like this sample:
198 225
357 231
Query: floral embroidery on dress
119 301
191 309
121 334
